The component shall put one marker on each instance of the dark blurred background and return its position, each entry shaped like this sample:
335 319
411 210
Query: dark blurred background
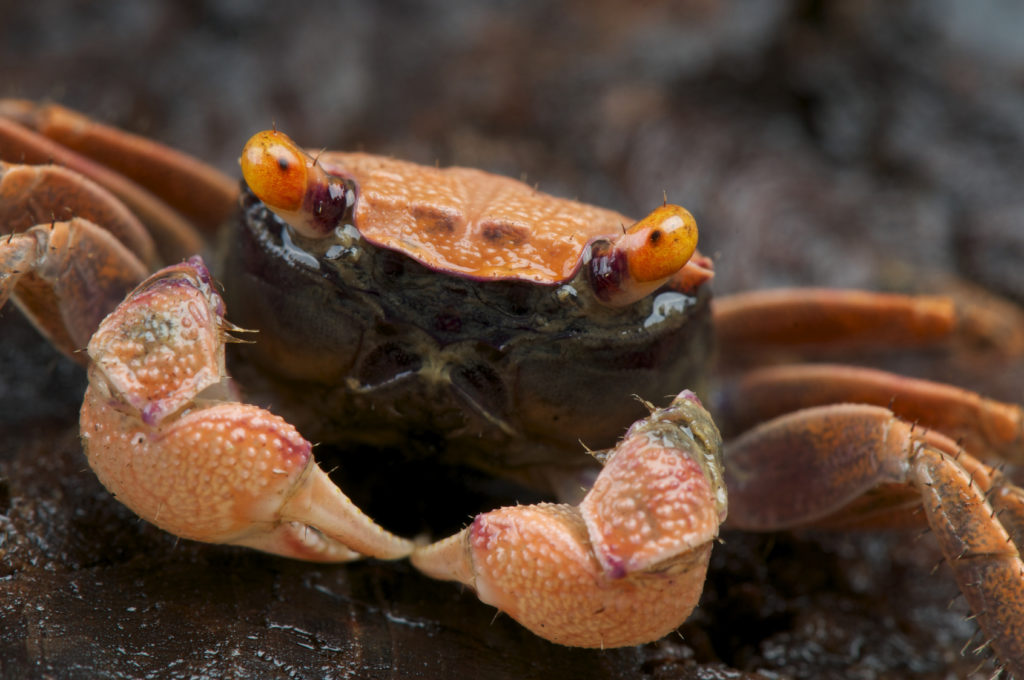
815 141
865 143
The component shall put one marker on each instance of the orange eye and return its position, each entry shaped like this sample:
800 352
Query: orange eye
659 245
274 167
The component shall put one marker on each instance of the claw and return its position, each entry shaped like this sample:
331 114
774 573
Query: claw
163 436
625 567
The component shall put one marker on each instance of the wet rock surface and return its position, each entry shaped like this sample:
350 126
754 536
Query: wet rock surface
858 145
88 590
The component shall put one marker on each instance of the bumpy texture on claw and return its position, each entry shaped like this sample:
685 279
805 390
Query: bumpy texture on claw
625 567
163 435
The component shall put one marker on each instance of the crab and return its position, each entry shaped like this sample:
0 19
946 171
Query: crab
469 317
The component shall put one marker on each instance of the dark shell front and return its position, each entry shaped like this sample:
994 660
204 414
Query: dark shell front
363 345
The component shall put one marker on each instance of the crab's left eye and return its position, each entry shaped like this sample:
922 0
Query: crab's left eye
275 169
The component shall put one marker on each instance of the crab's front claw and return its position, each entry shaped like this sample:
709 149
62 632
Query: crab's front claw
164 435
624 567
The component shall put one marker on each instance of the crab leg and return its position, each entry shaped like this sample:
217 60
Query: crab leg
200 192
856 465
625 566
164 435
983 426
982 553
35 194
174 235
808 317
66 277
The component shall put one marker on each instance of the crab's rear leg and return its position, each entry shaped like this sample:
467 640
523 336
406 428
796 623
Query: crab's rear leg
164 434
37 194
624 567
750 325
66 276
984 427
170 192
199 191
854 465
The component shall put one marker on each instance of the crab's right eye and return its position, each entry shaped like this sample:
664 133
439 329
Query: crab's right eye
644 257
274 167
660 245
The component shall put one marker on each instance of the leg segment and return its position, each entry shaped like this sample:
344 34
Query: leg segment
66 277
983 426
809 316
36 194
624 567
174 236
802 318
982 553
163 435
197 190
860 466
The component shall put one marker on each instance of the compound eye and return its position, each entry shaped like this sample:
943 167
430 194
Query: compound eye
645 257
659 245
274 167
